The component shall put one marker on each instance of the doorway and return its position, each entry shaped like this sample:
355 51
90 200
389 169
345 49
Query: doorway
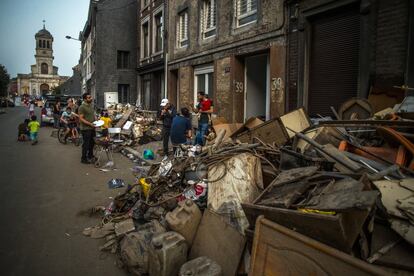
257 88
44 88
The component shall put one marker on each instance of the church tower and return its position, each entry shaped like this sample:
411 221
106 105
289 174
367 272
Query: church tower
44 53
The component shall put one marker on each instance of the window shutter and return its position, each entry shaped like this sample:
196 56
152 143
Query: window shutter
178 35
213 13
202 18
185 25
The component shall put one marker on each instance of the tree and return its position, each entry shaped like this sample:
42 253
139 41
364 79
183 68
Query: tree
4 80
56 90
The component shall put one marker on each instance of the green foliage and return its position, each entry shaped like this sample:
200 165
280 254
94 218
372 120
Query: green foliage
4 80
56 90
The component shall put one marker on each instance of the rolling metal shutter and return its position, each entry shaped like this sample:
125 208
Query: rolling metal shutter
334 59
293 72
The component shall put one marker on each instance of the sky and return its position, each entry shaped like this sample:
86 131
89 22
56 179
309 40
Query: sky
22 19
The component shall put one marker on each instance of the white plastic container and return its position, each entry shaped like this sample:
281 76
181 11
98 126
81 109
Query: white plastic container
168 252
185 219
201 266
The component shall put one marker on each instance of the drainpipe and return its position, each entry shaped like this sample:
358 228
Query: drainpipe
166 75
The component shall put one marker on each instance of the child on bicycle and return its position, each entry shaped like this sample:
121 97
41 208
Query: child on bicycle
69 119
23 131
34 126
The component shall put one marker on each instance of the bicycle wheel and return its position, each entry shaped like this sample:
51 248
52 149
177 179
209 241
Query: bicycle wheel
62 135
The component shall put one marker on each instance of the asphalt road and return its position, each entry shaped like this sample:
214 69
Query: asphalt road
45 195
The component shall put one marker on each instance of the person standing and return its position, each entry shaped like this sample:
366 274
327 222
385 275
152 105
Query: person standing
167 115
181 128
86 119
31 109
56 114
204 108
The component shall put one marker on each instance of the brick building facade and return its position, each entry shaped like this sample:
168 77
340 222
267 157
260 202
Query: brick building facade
151 54
234 50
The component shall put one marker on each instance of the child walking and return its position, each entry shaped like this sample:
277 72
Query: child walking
34 129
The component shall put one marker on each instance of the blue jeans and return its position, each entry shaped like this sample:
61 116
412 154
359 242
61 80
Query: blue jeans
56 120
201 131
33 136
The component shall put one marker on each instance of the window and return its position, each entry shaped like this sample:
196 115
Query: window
144 3
208 18
182 29
203 81
246 11
44 69
158 25
43 43
145 40
123 93
123 60
40 44
48 44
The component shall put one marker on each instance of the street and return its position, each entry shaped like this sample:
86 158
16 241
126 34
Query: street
46 195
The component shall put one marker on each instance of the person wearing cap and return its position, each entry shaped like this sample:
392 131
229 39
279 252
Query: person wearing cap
167 115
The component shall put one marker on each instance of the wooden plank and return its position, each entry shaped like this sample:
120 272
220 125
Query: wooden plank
367 123
297 120
339 231
281 251
219 241
269 132
124 118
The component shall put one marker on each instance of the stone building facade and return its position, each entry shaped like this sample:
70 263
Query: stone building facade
72 86
109 48
347 48
151 54
234 50
44 75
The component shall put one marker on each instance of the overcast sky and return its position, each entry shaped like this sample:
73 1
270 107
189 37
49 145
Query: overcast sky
22 19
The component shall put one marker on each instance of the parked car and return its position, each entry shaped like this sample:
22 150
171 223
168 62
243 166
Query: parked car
6 103
47 111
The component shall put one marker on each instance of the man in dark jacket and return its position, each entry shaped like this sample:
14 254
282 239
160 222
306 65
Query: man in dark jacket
167 115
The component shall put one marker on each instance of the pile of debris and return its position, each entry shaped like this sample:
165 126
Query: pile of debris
137 126
285 196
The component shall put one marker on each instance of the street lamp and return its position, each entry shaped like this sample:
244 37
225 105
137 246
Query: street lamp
69 37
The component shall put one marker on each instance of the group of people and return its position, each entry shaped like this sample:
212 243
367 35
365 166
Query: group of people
178 127
29 129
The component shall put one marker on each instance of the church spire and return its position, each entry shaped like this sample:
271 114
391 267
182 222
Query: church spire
44 28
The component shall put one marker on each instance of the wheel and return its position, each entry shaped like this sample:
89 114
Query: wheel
61 135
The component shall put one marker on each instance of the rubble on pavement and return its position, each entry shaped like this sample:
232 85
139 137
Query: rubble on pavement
345 187
138 126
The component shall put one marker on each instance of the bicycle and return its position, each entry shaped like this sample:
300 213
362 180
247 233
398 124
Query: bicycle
64 134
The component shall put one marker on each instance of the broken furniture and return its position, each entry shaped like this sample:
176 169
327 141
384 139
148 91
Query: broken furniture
278 250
